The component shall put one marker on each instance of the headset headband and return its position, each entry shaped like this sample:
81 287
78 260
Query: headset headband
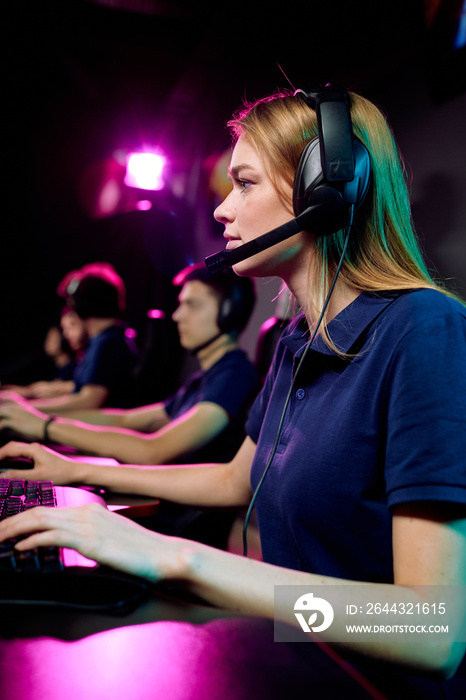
335 129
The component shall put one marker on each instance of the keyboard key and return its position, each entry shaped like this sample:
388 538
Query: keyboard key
7 559
27 561
17 487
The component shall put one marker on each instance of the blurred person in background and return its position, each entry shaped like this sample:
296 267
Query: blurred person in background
64 345
96 294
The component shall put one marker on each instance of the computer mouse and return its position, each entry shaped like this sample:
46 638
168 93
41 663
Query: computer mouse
16 463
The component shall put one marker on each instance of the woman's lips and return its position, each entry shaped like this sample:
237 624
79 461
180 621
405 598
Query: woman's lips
232 243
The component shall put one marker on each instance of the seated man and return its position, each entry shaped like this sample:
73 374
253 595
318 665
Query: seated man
203 418
96 293
202 422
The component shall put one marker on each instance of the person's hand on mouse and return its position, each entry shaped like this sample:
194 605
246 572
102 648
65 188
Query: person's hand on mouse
20 416
48 465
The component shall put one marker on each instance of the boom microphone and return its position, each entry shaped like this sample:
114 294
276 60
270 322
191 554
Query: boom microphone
227 258
316 214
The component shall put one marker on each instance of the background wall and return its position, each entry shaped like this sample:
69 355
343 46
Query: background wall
84 82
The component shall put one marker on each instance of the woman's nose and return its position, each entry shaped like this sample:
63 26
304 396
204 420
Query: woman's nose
224 212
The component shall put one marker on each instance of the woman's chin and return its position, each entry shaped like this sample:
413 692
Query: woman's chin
251 268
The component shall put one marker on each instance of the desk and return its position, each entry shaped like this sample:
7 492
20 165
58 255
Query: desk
164 649
169 650
173 650
135 507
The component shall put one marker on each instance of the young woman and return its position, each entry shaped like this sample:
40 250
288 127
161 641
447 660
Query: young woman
64 345
365 477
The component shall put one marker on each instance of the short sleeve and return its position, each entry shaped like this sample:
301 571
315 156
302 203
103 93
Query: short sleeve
426 411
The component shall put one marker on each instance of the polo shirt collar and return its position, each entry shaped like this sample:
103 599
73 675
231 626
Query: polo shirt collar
344 329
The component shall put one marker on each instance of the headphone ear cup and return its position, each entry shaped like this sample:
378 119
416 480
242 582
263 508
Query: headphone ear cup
308 176
328 203
320 204
237 305
225 315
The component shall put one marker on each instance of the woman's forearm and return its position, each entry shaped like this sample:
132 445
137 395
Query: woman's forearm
247 586
97 416
104 441
207 485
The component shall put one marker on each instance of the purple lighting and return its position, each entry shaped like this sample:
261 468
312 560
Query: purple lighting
144 171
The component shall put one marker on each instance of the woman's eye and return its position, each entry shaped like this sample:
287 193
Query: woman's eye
243 184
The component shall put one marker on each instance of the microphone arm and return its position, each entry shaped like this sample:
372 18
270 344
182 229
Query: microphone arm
227 258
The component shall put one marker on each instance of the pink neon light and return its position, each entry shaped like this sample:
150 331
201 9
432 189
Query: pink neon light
143 205
144 171
156 313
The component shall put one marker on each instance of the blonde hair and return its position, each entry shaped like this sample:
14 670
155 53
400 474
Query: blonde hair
383 252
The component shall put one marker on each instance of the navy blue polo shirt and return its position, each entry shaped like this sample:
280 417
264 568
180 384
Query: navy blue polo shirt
109 361
232 383
361 436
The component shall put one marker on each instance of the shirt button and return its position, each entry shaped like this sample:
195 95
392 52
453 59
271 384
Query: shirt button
300 394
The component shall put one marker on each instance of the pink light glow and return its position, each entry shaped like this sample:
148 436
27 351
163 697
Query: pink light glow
143 205
156 313
144 171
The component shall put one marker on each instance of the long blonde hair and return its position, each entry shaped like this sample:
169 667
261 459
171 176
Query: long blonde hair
383 252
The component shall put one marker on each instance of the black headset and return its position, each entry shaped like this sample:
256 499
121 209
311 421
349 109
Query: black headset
237 295
238 298
334 170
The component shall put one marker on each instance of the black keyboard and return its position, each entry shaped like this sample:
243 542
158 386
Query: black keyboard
53 575
17 495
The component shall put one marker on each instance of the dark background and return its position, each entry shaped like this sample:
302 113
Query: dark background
86 81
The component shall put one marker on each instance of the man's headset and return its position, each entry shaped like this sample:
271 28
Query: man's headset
237 297
92 295
331 181
237 304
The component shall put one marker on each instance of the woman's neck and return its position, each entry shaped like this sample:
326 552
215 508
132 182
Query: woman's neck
299 283
94 326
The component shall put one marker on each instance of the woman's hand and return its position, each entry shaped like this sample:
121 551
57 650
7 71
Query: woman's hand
101 535
18 414
48 465
50 390
7 390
